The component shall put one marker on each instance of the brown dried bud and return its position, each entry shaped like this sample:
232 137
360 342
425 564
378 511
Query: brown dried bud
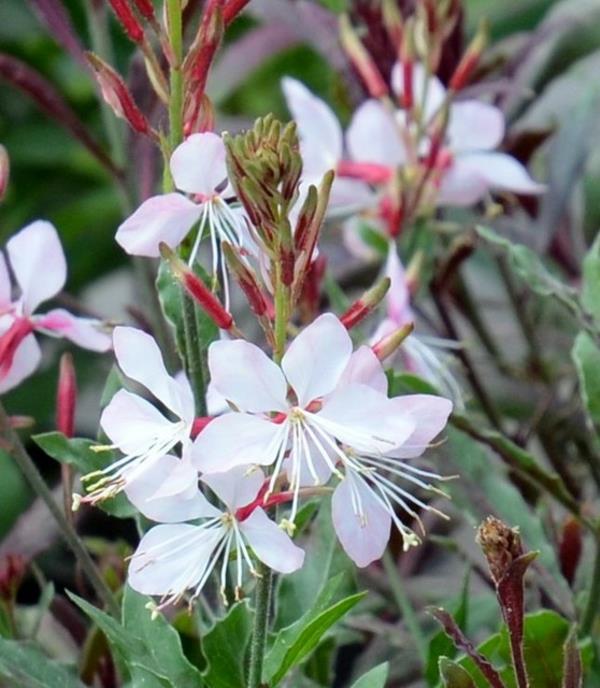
500 544
4 171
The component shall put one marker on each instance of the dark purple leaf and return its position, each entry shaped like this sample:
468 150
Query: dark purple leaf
54 15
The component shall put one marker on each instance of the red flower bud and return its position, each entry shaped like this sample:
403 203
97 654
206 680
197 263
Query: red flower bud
145 8
386 346
359 310
12 571
117 95
470 60
4 171
571 546
128 20
199 292
66 396
361 60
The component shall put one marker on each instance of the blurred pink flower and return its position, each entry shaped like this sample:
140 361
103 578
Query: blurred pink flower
172 558
469 165
39 267
136 427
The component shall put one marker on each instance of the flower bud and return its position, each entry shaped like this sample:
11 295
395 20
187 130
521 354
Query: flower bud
470 60
66 396
386 346
117 95
501 545
361 60
128 20
4 171
196 288
12 572
361 308
145 8
392 20
246 279
570 548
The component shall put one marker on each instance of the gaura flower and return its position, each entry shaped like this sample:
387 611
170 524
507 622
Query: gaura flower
173 558
423 355
295 417
141 432
468 164
39 267
198 169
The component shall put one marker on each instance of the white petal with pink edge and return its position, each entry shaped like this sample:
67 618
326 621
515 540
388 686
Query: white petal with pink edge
474 126
374 136
236 487
430 415
244 375
316 358
166 218
270 544
38 262
26 359
85 332
364 368
198 164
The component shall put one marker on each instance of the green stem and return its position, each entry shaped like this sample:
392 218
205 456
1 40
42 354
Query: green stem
174 22
281 315
15 448
593 603
404 605
194 358
262 597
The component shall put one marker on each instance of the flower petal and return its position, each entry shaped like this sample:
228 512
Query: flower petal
85 332
316 358
502 171
236 487
364 368
140 359
246 376
318 127
39 264
475 126
374 136
363 536
168 492
170 559
166 218
132 423
349 196
430 416
198 164
427 88
461 184
364 419
5 286
236 439
26 359
270 544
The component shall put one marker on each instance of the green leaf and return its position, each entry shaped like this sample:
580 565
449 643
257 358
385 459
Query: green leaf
77 452
224 647
337 6
375 678
407 383
160 639
544 637
453 675
311 634
143 649
441 645
590 288
586 356
26 666
14 492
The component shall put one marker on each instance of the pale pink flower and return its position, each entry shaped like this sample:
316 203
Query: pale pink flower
39 267
423 355
173 558
471 167
140 431
199 170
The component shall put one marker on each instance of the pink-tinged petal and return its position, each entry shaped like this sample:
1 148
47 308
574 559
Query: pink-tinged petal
427 88
246 376
430 416
374 136
363 536
461 184
5 286
236 439
398 296
140 359
318 127
475 126
166 218
132 423
85 332
349 196
26 359
503 172
364 419
354 241
236 487
270 544
321 468
198 164
172 558
316 358
364 368
38 262
168 492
